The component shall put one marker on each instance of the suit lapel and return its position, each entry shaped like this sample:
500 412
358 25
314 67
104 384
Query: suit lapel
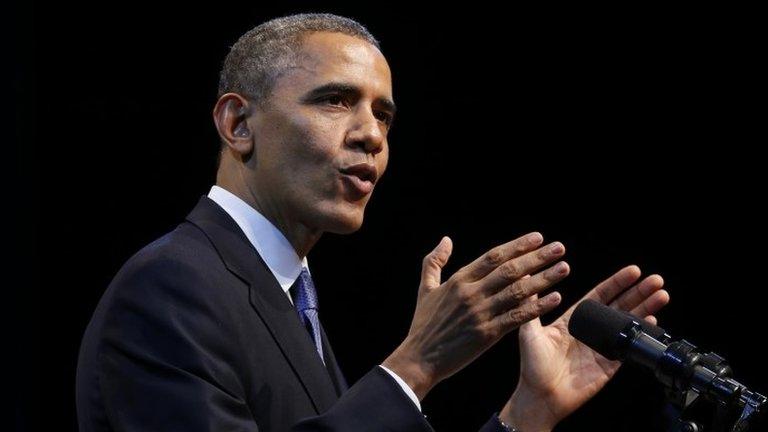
268 300
332 365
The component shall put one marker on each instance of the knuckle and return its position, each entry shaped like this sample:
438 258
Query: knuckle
521 248
537 308
494 257
517 316
460 275
477 315
489 333
511 271
516 292
464 293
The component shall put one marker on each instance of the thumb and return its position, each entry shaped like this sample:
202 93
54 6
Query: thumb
433 265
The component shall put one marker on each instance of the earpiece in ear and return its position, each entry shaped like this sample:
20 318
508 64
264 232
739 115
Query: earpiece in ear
241 130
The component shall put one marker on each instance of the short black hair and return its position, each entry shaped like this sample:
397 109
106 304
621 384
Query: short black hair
256 60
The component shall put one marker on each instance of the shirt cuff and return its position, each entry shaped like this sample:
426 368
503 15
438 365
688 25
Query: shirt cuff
405 387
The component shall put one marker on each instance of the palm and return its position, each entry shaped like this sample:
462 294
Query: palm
564 373
560 368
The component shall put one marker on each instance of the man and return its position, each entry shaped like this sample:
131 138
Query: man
215 326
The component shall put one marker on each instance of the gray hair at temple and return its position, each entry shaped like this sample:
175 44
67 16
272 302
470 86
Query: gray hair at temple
262 54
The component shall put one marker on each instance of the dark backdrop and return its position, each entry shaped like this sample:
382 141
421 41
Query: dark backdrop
632 135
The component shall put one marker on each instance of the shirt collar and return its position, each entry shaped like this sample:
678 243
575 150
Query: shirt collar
269 242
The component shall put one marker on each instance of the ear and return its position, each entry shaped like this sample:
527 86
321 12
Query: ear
230 116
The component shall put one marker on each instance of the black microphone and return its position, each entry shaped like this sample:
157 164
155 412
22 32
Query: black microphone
608 331
679 365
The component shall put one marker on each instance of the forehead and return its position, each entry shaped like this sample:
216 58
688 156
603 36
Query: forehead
336 57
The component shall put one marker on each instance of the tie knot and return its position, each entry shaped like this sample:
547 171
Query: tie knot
304 294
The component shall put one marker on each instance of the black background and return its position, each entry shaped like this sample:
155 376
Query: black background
631 135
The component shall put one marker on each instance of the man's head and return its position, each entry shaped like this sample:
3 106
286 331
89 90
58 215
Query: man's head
262 54
305 104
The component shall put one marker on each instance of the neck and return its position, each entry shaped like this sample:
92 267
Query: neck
299 235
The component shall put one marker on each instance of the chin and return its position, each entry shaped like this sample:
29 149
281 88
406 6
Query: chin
346 225
336 217
343 220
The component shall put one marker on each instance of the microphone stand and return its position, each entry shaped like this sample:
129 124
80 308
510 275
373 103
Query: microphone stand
702 396
701 393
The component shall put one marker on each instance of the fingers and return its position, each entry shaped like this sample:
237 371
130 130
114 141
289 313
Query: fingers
511 271
608 289
514 318
492 259
632 297
642 299
652 304
520 290
433 264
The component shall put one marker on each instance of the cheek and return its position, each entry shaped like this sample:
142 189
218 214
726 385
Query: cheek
310 151
314 139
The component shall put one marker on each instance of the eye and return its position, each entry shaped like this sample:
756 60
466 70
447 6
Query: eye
384 117
337 100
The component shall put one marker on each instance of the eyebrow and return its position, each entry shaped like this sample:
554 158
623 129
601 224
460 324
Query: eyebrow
348 89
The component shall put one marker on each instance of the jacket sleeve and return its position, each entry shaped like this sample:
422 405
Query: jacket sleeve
375 403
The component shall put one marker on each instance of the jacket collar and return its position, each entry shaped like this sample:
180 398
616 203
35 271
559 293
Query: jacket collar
267 300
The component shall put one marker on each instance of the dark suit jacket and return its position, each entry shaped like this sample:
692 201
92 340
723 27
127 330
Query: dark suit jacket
195 334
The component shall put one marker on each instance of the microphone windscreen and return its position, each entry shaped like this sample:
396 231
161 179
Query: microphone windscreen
599 326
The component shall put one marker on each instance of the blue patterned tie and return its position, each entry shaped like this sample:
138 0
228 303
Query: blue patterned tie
305 300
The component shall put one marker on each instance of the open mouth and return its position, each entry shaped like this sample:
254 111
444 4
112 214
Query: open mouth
364 172
360 178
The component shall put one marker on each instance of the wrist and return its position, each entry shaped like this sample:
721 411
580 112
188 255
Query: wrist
527 414
417 374
507 427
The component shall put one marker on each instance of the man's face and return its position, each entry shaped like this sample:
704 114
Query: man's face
321 136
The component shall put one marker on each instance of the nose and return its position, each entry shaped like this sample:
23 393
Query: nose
366 132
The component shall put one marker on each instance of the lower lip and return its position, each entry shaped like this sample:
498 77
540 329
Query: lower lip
363 187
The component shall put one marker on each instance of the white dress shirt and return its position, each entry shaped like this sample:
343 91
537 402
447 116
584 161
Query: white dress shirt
275 250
